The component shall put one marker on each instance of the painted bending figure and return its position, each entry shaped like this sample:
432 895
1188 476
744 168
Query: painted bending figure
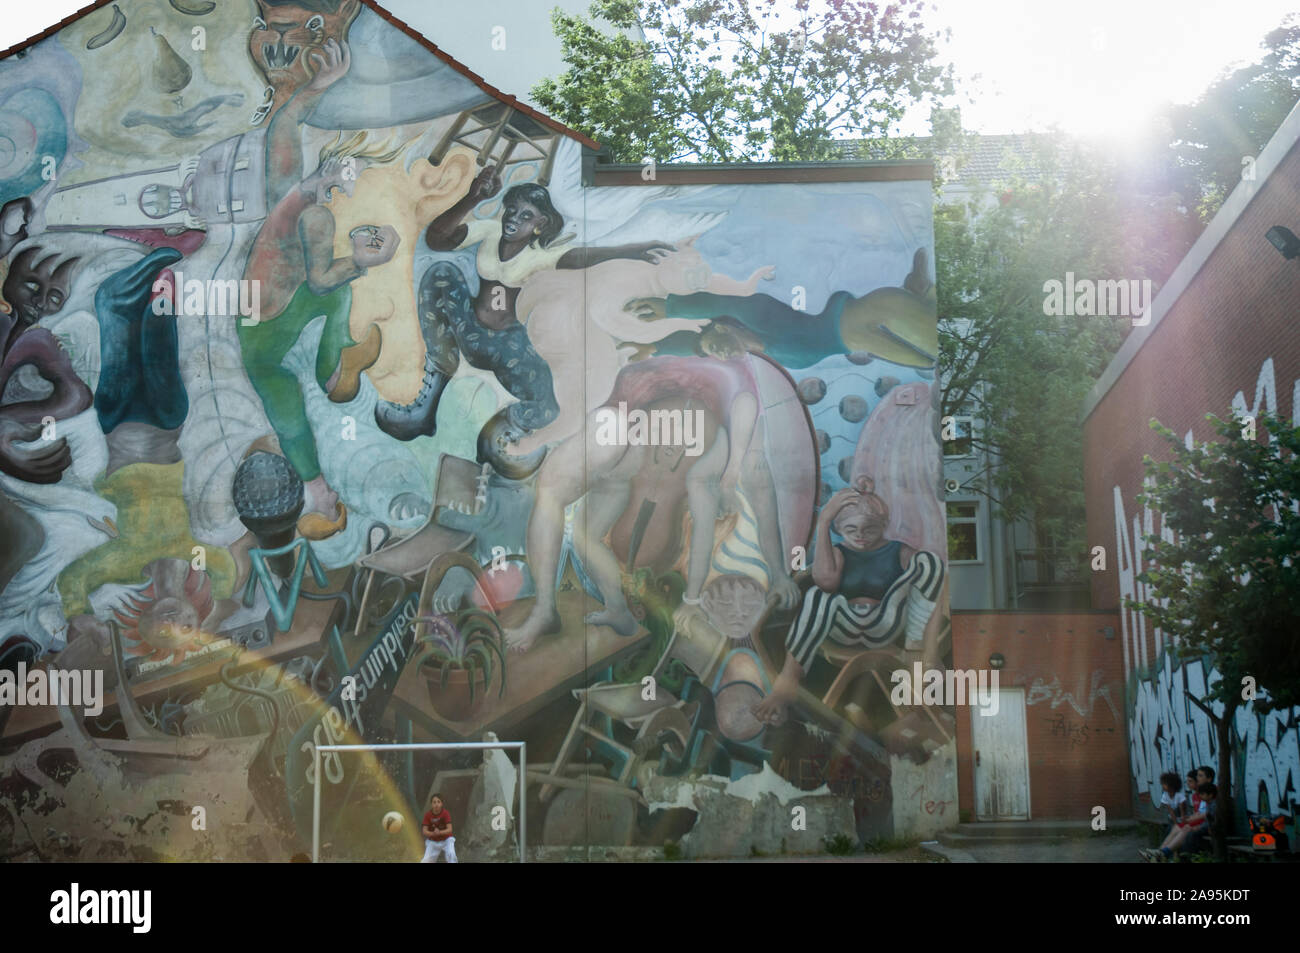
600 471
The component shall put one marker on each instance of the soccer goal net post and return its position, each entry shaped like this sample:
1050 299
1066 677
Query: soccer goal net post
432 746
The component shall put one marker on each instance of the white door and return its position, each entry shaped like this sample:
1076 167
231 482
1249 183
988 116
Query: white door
1001 759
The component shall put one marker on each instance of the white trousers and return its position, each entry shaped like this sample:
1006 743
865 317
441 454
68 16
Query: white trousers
432 848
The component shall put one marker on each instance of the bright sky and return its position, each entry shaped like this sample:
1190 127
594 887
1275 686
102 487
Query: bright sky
1094 67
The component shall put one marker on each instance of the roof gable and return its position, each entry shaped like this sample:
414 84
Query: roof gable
353 103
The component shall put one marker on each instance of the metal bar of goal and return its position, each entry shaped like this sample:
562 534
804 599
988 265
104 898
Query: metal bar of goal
432 746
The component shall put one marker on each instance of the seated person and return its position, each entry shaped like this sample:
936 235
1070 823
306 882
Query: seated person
1187 834
1173 803
869 591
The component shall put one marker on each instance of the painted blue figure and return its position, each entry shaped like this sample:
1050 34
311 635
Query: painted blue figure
141 378
894 324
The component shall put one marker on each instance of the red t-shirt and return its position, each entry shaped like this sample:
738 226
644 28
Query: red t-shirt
438 824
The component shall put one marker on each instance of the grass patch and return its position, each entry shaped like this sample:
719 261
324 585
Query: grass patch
888 845
841 845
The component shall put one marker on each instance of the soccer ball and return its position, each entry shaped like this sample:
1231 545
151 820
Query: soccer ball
392 822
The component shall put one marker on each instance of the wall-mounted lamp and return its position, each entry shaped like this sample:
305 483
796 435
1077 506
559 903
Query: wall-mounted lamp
996 660
1108 632
1284 240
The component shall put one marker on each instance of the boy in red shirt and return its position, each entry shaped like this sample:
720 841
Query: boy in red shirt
437 833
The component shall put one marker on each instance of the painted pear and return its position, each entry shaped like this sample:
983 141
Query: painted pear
171 74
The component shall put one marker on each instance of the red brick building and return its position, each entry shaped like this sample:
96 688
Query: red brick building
1062 679
1224 332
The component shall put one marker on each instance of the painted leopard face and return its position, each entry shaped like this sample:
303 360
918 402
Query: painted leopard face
285 32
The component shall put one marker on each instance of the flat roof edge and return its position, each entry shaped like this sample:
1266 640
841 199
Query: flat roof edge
599 174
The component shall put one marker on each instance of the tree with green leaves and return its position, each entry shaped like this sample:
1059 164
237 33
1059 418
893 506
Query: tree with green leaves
1021 373
1227 584
741 80
1214 140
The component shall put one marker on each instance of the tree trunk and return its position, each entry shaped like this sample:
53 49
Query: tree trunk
1225 808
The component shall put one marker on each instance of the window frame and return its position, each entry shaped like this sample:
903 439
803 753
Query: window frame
975 520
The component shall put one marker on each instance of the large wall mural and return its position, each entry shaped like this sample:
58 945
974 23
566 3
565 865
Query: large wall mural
334 407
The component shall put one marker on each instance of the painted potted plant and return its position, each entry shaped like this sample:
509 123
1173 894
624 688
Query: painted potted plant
457 662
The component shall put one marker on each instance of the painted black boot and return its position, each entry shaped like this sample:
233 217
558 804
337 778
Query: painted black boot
497 434
418 418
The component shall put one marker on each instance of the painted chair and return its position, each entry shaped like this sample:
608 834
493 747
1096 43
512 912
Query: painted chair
409 557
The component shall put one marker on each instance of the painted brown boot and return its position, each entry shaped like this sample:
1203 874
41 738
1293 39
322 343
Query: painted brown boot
315 527
344 384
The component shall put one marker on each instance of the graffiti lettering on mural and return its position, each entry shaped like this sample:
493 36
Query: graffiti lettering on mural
1169 733
839 775
212 648
930 807
352 713
1040 691
1074 732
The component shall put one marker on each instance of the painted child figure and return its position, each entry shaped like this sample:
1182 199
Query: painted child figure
870 592
437 831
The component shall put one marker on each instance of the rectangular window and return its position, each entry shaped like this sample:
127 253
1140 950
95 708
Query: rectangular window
963 532
960 445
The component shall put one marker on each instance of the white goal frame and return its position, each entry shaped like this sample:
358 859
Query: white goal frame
432 746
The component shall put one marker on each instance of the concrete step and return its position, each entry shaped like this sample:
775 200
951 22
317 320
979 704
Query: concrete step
1025 832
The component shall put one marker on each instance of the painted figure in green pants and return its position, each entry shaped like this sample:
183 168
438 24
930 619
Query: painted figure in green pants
299 279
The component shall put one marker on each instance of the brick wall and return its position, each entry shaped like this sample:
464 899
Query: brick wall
1073 678
1241 310
1235 329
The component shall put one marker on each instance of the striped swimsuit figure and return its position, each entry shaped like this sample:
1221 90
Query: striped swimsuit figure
906 600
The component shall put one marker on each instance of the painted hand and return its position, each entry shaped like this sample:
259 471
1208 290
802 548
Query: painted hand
375 246
784 591
486 184
43 463
648 309
653 252
331 63
684 614
838 501
113 598
774 709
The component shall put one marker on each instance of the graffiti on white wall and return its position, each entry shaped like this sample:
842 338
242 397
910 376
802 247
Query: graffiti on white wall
1167 732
